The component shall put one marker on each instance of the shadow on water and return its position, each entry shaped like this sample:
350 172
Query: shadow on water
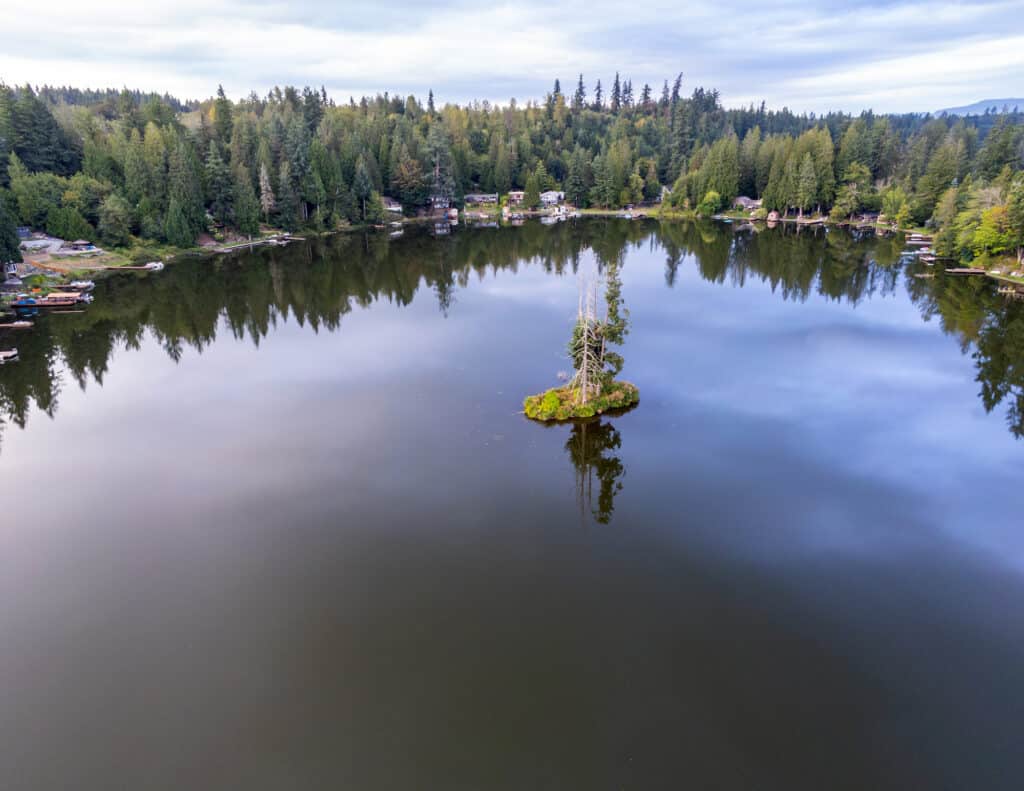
319 283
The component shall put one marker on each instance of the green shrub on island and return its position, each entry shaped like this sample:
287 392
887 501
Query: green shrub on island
564 403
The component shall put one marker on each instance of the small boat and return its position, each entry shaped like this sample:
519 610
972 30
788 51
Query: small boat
61 299
16 325
154 266
76 285
8 355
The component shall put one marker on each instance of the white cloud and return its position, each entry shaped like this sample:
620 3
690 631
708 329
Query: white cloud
902 56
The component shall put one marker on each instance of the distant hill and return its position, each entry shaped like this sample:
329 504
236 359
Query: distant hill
979 108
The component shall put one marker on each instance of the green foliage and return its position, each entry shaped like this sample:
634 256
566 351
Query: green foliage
710 204
564 403
9 245
66 223
115 221
531 195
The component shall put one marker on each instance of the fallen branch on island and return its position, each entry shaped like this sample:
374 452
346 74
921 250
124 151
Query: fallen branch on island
565 403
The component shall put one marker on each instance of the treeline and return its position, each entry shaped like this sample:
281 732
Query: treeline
84 165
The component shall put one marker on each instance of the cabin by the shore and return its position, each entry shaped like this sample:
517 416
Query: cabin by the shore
747 204
552 197
515 197
390 204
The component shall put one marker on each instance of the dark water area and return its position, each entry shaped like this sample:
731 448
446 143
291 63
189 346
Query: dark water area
276 521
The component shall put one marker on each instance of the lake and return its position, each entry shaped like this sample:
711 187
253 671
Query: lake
276 521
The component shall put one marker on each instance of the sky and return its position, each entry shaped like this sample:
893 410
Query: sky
815 57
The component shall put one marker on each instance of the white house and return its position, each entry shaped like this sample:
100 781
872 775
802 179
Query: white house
552 197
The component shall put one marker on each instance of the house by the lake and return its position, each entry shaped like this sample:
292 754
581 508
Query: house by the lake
515 197
745 203
390 204
552 197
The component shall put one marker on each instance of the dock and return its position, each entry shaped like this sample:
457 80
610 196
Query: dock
966 270
16 325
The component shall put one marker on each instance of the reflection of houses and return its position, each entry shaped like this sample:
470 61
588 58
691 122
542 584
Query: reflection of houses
747 204
390 204
552 197
481 197
440 202
516 197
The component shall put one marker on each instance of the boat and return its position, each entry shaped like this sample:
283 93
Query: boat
76 285
63 299
8 355
154 266
16 325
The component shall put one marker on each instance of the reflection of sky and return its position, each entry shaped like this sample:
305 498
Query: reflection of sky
337 541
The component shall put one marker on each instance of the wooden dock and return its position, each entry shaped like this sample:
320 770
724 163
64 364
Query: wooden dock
16 325
966 270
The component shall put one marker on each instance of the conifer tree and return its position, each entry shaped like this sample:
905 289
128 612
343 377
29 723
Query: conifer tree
267 200
218 184
246 207
579 99
10 250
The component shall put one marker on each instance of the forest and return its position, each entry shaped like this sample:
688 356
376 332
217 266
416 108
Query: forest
109 166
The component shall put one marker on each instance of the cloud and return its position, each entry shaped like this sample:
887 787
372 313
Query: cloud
902 56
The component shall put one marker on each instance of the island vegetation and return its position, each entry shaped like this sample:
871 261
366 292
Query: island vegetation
119 167
593 388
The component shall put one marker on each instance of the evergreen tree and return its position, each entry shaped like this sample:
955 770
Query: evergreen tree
115 221
579 98
597 105
222 118
10 250
616 99
268 203
362 185
218 185
807 185
177 229
245 205
531 194
287 197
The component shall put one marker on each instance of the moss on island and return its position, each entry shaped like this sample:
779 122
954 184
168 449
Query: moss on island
564 403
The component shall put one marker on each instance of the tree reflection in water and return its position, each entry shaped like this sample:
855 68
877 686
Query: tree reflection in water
591 447
318 283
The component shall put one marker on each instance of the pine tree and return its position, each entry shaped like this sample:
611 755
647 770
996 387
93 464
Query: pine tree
245 205
218 184
531 194
10 251
267 200
807 185
596 106
222 118
575 179
616 100
287 197
579 99
176 226
362 185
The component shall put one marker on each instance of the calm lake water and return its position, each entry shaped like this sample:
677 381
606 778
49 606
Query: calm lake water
275 521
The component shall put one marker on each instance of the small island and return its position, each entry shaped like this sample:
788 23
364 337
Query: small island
593 389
